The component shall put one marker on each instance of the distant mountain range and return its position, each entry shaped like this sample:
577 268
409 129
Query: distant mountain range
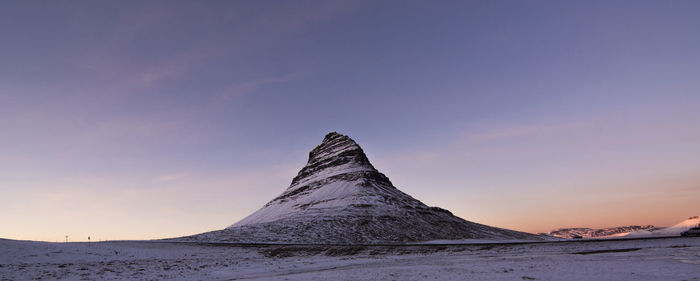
338 197
632 231
582 232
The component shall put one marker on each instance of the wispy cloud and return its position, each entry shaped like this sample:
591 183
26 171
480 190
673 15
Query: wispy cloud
238 89
507 132
101 133
172 177
264 28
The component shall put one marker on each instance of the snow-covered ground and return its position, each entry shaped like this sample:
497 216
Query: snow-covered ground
641 259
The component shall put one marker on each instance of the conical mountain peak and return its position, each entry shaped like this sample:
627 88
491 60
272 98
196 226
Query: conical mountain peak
339 197
335 155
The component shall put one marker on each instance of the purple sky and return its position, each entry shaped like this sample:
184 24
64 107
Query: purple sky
150 119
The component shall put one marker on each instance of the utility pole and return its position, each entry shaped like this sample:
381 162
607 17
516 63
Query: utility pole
66 238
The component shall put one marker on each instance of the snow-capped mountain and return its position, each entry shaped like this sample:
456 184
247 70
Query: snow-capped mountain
339 197
668 231
581 232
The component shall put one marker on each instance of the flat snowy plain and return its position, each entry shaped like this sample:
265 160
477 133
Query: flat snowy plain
632 259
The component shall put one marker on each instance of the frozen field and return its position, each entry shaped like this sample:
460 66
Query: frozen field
642 259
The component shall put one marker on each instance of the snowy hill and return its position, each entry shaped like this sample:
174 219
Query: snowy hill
339 197
597 233
668 231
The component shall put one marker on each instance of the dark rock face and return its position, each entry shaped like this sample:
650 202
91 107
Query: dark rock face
334 151
340 198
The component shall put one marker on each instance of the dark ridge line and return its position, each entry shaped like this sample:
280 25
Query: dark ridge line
607 251
418 244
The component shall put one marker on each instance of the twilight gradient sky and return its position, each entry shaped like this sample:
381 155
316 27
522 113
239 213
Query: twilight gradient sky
152 119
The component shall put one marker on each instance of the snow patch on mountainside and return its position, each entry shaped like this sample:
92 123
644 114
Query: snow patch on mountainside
330 196
668 231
